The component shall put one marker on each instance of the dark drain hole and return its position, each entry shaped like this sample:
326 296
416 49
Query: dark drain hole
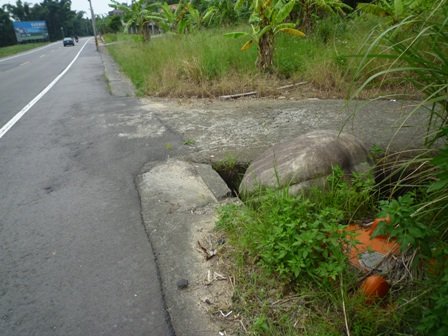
232 173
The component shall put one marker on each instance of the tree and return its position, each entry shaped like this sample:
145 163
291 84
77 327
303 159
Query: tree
57 14
188 17
139 14
109 24
181 18
268 18
219 12
308 10
21 11
7 36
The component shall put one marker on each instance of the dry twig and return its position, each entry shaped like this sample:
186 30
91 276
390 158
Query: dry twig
242 325
343 307
208 253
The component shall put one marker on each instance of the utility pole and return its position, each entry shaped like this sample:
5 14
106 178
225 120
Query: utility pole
93 24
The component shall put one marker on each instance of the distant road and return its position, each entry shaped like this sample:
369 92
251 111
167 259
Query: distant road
23 76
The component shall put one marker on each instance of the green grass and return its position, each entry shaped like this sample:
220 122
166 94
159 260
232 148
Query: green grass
196 64
208 64
12 50
291 276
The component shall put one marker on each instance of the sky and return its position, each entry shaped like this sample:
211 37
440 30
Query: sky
100 7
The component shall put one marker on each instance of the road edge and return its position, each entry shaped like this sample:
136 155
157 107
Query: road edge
174 218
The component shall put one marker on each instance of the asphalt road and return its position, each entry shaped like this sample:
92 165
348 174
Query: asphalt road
23 76
74 255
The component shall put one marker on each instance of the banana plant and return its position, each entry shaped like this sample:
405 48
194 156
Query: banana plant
395 10
182 19
139 14
220 12
189 18
310 10
268 18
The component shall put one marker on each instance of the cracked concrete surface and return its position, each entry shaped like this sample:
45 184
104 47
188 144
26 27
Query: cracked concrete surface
245 128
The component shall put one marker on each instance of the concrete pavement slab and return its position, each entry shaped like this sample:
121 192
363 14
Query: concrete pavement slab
179 201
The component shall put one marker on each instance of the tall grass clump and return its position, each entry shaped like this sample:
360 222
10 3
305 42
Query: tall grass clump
417 49
198 64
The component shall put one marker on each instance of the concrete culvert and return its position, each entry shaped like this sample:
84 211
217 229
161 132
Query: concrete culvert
306 161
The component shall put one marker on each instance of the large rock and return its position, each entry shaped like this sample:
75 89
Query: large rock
305 161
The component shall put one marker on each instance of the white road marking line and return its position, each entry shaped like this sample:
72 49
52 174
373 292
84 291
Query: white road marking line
28 52
25 63
43 55
22 112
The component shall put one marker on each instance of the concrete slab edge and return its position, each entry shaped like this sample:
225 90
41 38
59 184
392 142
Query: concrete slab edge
178 204
119 85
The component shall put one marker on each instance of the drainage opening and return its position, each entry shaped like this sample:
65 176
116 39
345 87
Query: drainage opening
232 172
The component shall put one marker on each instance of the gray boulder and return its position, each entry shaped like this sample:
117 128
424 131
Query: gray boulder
305 161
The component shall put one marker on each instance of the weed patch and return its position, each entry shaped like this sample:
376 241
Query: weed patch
291 271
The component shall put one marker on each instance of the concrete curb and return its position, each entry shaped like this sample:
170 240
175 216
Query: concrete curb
119 84
179 201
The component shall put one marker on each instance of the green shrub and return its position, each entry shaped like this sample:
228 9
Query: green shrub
299 236
304 240
409 230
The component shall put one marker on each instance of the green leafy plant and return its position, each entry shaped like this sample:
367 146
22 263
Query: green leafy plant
409 230
355 197
168 18
417 47
308 244
435 308
189 142
310 11
182 19
290 249
219 12
139 14
441 162
435 205
188 17
299 236
268 18
396 10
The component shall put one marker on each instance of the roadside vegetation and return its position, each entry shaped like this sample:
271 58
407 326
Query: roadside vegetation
12 50
325 59
287 254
